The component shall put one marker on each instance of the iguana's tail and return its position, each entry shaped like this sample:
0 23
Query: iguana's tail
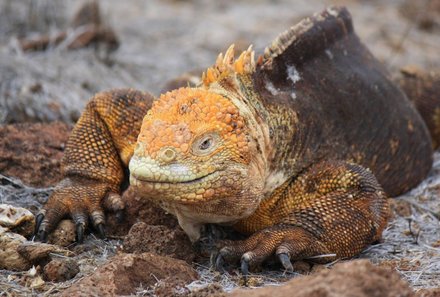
423 89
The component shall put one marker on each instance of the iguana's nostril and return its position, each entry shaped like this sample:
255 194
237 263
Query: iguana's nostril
139 149
167 154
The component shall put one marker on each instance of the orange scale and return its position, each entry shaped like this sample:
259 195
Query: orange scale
227 118
184 147
231 109
205 109
178 138
213 109
211 116
165 138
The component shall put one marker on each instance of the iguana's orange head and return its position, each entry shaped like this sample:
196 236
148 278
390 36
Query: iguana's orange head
194 149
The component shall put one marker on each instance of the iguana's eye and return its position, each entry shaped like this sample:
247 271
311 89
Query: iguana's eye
205 144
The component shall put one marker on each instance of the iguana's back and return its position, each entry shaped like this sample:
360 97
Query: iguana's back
340 104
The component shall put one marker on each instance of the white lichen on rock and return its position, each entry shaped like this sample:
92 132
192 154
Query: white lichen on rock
17 219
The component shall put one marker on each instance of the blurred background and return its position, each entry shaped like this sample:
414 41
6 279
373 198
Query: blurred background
55 54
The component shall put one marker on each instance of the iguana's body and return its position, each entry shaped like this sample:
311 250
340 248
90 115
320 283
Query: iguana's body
277 149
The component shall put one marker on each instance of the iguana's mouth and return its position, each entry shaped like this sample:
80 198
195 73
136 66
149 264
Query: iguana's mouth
147 171
183 191
189 181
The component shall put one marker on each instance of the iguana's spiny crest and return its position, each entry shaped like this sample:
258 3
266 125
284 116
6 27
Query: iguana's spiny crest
227 65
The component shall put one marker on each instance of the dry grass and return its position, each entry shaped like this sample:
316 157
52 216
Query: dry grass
411 244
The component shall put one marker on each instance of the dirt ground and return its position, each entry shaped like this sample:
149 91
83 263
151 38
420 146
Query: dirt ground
155 41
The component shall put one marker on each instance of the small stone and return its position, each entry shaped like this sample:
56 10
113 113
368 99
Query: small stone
10 259
17 219
36 252
64 234
59 270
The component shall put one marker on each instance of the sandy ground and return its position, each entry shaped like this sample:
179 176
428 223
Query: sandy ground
160 40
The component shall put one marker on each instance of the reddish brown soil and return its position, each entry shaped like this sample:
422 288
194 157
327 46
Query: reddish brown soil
59 270
32 152
139 210
161 240
355 278
125 273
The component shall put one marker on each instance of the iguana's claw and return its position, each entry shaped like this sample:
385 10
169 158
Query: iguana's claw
38 219
80 233
101 231
284 259
219 263
81 199
120 216
282 241
43 235
245 268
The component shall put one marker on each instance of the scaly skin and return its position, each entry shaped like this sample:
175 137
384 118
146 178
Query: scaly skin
100 146
278 148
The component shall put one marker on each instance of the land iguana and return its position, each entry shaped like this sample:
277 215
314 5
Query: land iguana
298 149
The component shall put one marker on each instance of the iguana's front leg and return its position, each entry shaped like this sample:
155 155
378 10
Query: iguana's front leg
333 210
95 160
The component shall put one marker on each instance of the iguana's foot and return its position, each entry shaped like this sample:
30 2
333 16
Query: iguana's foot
83 200
284 242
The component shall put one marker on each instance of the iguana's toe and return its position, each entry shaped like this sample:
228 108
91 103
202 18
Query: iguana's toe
48 218
113 202
82 201
38 219
284 242
101 231
284 259
80 227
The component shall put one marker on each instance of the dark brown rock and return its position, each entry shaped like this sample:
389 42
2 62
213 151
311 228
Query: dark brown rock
161 240
64 234
36 252
124 273
354 278
32 152
10 258
59 270
88 20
